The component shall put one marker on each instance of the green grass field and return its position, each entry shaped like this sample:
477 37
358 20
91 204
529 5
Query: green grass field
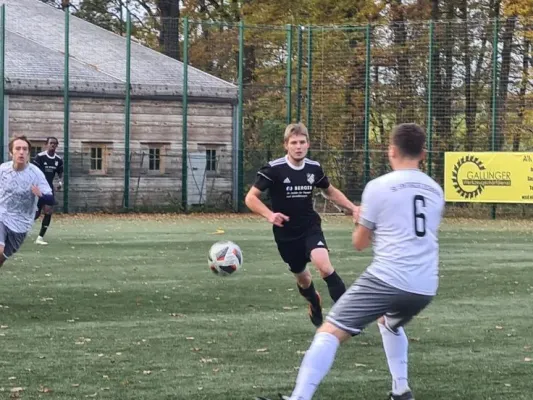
124 307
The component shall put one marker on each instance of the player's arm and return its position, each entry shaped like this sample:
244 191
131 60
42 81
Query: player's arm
365 219
42 189
60 175
335 195
361 237
332 193
264 181
254 203
37 162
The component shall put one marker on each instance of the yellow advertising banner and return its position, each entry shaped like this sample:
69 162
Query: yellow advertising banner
488 177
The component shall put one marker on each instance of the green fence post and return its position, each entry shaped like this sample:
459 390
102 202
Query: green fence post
240 119
299 75
494 89
289 74
66 114
184 114
494 100
309 97
367 105
3 82
127 107
430 100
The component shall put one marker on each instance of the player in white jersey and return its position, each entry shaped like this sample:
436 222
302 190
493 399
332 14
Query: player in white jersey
400 213
21 186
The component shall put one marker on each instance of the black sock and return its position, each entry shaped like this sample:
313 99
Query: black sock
336 286
44 226
310 295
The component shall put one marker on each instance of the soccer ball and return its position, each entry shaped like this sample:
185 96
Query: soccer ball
224 258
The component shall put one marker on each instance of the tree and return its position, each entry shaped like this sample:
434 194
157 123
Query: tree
169 20
108 14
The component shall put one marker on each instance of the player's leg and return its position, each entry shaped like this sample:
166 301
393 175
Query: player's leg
307 289
10 242
318 360
319 255
358 307
40 205
3 238
395 342
48 210
293 253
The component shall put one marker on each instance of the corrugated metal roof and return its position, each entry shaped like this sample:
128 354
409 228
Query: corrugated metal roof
35 57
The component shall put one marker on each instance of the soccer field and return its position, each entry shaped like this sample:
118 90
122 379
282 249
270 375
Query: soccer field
124 307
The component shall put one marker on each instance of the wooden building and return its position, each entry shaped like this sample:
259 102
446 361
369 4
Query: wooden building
34 106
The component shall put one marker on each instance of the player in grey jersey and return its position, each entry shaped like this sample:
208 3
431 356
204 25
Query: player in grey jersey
21 185
400 214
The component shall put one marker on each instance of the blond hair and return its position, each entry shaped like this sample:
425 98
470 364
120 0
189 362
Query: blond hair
295 129
14 139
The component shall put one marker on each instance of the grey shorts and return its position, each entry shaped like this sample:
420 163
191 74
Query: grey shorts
10 240
368 299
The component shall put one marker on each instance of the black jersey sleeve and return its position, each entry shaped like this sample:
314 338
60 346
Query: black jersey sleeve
321 179
59 169
37 161
265 178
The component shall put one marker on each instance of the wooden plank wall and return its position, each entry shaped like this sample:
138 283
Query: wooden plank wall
153 123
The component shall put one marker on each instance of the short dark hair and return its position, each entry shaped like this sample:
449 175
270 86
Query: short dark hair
410 139
48 139
21 137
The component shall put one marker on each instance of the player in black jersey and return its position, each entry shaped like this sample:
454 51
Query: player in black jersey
296 225
51 164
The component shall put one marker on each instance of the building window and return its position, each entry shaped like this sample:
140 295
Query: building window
154 159
35 149
97 158
211 160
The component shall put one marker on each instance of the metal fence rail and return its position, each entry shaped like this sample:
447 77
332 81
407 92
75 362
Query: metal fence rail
469 84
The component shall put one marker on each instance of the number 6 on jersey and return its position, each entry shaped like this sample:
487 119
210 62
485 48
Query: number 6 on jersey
420 218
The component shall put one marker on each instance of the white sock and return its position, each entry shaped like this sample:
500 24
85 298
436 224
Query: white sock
315 365
396 346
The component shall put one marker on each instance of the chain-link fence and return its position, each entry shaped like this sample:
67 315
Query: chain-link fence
227 90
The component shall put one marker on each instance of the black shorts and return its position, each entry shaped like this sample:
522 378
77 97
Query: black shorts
40 203
297 253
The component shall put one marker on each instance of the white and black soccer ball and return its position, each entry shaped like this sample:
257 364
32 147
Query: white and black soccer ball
224 258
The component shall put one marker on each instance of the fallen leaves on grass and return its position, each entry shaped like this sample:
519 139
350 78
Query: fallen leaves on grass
44 389
17 390
264 350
